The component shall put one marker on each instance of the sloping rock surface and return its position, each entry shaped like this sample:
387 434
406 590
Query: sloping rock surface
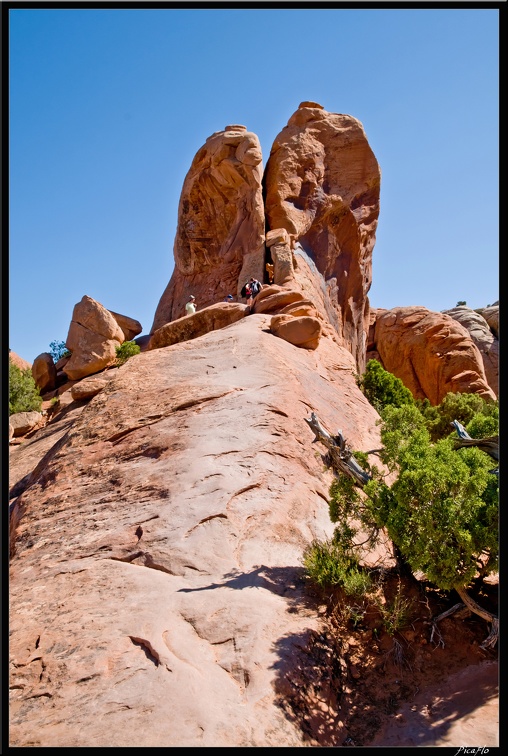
156 582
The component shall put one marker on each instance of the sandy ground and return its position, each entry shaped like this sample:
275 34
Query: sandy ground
464 712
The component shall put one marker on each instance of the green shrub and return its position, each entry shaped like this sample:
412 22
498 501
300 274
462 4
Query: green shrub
24 395
396 614
329 564
125 351
464 408
382 388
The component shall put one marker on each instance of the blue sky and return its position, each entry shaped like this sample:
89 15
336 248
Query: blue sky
107 108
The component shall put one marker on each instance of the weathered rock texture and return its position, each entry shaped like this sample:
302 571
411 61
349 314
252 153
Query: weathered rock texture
94 334
491 315
129 326
221 224
430 352
484 338
211 318
156 590
322 185
23 422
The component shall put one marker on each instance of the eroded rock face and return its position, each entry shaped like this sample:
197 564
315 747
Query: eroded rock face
430 352
93 337
221 224
322 185
484 338
491 315
157 550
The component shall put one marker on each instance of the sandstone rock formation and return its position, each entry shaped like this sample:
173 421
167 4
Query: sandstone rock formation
491 315
44 372
19 361
430 352
191 326
94 334
169 523
23 422
91 386
157 594
129 326
322 185
302 331
221 224
484 338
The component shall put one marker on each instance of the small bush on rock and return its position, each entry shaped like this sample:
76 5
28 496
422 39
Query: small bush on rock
125 351
24 395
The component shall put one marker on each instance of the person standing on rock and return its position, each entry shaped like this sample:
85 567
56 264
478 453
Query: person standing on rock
255 288
190 307
246 292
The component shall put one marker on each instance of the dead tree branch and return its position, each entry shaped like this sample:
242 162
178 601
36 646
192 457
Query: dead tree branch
341 456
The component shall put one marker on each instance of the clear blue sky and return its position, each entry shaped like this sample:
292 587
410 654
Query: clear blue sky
107 109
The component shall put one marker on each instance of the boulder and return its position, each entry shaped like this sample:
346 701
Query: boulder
129 326
322 184
44 372
203 321
430 352
93 337
301 331
274 301
23 422
221 224
91 386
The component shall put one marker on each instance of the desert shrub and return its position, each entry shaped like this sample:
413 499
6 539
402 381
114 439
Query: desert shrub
464 408
382 388
24 394
125 351
442 510
329 564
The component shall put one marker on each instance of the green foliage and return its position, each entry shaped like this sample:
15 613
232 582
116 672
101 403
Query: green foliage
57 350
396 613
464 408
24 395
382 388
125 351
442 510
461 303
329 564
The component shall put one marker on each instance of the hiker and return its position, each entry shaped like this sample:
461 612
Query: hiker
255 287
246 292
190 307
229 298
